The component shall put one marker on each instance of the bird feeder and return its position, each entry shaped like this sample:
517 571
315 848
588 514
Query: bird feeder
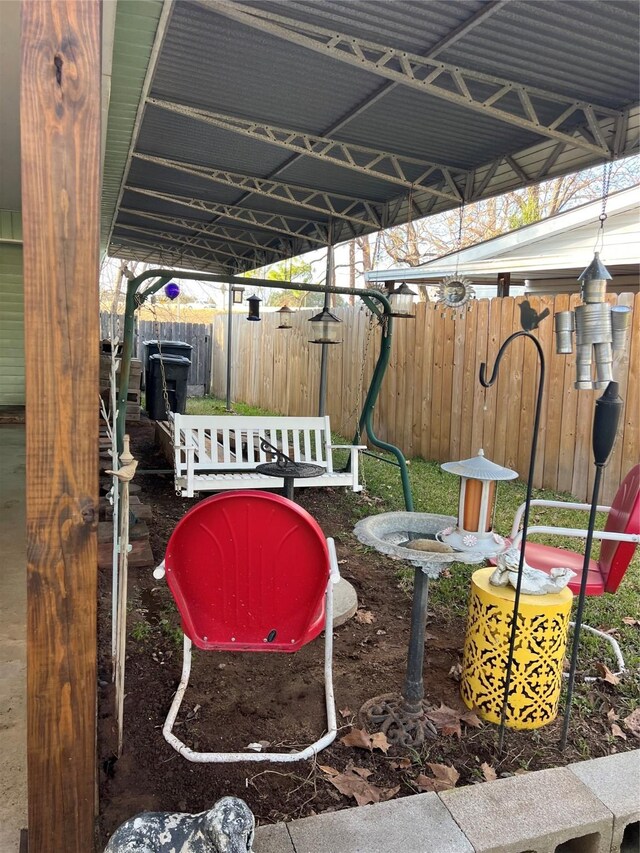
285 317
254 308
401 301
325 328
478 479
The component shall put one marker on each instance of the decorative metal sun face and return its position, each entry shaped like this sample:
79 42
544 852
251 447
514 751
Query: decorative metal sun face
455 292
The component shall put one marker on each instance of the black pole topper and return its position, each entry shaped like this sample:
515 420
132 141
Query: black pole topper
605 427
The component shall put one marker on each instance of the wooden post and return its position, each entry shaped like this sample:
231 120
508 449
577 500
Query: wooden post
60 137
504 283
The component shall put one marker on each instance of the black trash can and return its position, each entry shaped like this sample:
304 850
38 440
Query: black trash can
176 373
150 348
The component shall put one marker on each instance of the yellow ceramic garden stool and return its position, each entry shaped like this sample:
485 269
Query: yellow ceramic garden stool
536 679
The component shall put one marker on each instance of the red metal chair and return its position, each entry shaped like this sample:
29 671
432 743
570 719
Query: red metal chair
251 572
619 538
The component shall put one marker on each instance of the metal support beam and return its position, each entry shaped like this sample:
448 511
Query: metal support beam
382 165
139 250
215 250
216 232
331 204
290 226
500 98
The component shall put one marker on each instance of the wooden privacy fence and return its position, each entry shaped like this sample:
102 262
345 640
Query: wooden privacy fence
431 403
196 334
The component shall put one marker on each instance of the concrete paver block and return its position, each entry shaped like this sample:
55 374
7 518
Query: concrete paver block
533 813
273 839
415 824
614 779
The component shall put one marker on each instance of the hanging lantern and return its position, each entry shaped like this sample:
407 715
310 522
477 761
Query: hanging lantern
401 300
236 293
325 330
478 478
172 290
285 317
254 308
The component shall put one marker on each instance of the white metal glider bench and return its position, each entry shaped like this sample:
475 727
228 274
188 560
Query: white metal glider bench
251 572
215 453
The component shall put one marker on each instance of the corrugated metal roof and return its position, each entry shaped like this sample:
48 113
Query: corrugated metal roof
244 69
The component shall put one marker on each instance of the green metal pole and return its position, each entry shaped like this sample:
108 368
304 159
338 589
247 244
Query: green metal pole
365 421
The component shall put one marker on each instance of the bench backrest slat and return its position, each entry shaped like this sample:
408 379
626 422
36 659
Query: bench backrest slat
233 442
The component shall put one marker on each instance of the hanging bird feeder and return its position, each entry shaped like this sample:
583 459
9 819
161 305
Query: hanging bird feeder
254 308
476 506
401 300
285 317
325 328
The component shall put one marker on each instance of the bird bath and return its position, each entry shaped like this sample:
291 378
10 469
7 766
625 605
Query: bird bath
401 716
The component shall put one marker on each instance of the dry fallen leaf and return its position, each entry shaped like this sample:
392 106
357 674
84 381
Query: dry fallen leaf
488 772
445 778
379 741
631 620
611 715
632 722
400 764
607 675
616 731
364 617
447 720
361 739
358 738
471 719
352 783
331 771
345 712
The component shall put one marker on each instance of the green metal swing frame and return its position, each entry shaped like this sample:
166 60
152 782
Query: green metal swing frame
375 301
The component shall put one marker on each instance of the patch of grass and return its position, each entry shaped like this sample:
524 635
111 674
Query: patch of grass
141 631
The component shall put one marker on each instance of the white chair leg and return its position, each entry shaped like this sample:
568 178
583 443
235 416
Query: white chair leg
612 642
230 757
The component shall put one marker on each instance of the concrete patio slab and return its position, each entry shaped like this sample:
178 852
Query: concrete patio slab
535 813
13 609
606 777
418 824
273 839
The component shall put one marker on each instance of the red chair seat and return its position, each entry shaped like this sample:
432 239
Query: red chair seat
546 557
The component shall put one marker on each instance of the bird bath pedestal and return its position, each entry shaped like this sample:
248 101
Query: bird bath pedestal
402 716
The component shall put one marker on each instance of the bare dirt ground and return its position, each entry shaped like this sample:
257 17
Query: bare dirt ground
234 700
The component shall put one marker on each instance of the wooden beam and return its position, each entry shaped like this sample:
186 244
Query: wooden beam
504 283
60 137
